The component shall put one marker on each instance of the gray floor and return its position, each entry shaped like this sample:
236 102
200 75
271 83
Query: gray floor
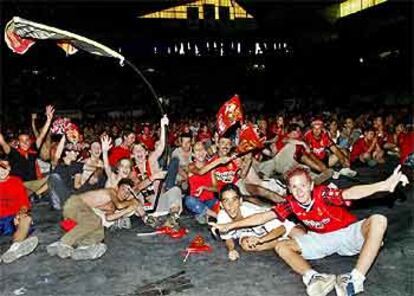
154 265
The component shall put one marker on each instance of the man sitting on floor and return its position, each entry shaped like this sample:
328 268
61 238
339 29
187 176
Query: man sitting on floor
15 218
332 229
88 233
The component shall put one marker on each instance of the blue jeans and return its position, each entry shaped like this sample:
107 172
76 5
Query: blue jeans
59 192
198 207
172 172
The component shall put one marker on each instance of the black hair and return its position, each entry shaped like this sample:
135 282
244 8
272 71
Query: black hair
229 187
186 135
126 181
293 127
369 128
126 132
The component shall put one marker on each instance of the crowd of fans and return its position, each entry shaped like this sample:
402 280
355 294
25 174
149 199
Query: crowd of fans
98 174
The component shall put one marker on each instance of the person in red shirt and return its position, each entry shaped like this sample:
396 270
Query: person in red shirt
332 229
15 218
226 173
366 150
385 140
201 200
122 151
407 149
204 135
321 145
147 138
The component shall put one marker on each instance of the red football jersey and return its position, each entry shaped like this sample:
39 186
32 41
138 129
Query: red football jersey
196 181
318 146
406 146
326 214
359 147
225 174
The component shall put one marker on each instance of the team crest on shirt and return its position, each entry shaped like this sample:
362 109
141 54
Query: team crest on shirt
226 177
317 224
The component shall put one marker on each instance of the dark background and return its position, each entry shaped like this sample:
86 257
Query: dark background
330 64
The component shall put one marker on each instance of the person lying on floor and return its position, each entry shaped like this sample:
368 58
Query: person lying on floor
259 238
332 229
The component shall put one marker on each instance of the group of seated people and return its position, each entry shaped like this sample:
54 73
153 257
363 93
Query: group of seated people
98 177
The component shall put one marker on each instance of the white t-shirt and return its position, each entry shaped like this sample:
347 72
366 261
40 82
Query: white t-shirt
247 209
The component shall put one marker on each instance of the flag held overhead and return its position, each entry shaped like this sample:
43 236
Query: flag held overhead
229 114
21 34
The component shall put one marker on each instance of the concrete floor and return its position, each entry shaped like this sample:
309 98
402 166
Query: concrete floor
154 265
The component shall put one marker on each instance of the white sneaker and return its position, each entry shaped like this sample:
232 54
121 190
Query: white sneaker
348 172
59 249
20 249
345 286
320 284
89 252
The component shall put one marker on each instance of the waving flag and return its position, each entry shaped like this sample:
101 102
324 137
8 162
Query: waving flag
249 139
229 114
21 34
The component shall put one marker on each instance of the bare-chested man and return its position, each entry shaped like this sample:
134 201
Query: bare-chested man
88 234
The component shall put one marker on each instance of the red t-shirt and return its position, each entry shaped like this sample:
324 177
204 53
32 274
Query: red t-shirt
13 197
149 142
203 137
383 138
359 147
327 213
318 146
406 146
117 153
225 174
196 181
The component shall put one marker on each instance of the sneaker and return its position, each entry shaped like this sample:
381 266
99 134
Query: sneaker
90 252
125 223
59 249
121 223
172 221
348 172
20 249
320 284
202 218
151 221
345 286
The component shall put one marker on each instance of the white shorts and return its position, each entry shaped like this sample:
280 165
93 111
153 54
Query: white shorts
345 242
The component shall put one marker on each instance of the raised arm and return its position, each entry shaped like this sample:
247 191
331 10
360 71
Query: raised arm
361 191
34 128
162 142
6 147
49 116
106 143
59 150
